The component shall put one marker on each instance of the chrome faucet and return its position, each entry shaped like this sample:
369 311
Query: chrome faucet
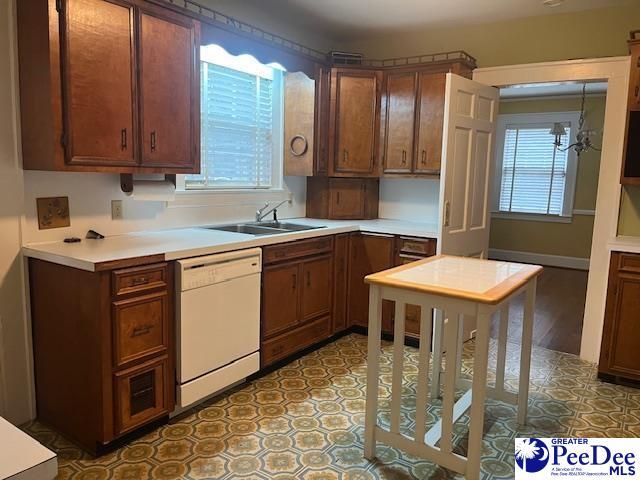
261 213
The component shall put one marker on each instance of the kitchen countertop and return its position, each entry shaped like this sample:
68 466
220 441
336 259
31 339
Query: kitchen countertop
22 457
191 242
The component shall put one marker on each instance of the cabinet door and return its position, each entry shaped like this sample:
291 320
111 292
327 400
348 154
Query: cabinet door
142 394
169 95
280 298
346 198
634 81
98 75
400 122
368 253
316 282
341 255
621 333
430 122
356 121
299 124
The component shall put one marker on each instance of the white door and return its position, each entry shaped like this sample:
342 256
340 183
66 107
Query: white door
470 115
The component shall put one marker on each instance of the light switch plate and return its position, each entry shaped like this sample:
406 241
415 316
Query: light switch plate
53 212
116 209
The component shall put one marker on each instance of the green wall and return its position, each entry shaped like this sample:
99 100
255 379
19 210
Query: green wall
592 33
552 238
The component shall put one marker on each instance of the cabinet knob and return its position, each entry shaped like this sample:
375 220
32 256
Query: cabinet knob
153 141
308 278
345 155
294 282
423 161
404 157
123 139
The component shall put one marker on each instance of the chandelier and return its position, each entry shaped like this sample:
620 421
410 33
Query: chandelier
583 141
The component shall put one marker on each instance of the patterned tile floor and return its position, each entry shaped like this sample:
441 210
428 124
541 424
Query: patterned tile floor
305 421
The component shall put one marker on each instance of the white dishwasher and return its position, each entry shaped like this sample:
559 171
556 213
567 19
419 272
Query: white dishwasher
218 322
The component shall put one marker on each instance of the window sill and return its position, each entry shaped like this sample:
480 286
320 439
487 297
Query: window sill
533 217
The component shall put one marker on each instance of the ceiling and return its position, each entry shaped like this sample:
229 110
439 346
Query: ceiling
350 17
555 89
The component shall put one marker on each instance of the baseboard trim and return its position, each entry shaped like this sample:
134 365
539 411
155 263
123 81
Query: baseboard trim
539 258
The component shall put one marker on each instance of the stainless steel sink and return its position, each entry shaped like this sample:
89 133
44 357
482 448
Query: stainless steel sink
263 228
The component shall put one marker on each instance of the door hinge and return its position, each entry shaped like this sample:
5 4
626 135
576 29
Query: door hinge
58 6
447 213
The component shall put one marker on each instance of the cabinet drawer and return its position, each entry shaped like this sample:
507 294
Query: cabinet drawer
424 247
301 248
628 262
139 279
140 327
140 394
295 340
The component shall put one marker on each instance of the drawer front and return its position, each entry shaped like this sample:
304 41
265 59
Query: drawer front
294 341
628 262
139 279
140 327
302 248
140 395
424 247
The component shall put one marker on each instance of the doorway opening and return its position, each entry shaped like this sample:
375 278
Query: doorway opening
544 189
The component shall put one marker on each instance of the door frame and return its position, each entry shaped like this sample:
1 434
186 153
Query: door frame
615 70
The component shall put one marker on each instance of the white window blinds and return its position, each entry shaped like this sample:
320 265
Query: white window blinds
534 176
239 118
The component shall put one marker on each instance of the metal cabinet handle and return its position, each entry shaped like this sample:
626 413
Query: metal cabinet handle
305 146
153 141
345 155
637 90
337 198
141 330
308 278
404 157
424 157
140 281
123 139
294 279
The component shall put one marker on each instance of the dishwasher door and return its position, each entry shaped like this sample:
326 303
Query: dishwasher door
219 315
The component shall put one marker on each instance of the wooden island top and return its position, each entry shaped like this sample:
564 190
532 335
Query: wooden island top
474 279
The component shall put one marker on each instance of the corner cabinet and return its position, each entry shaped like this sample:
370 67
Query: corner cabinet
110 86
354 119
103 349
619 359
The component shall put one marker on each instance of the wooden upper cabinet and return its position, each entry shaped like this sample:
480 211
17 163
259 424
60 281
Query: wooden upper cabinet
98 78
400 118
354 121
430 122
634 84
169 95
299 123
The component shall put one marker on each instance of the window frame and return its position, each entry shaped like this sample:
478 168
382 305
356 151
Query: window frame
543 118
277 157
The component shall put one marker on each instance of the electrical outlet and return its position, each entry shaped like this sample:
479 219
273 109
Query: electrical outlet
116 209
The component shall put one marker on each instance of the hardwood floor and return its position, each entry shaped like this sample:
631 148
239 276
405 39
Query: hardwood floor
560 300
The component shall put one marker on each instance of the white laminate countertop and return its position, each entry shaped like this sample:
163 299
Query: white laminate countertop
191 242
22 457
625 244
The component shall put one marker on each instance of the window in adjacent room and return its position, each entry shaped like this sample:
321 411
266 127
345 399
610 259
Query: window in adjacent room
241 122
532 176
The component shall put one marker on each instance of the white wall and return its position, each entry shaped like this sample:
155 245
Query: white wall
414 200
90 196
15 383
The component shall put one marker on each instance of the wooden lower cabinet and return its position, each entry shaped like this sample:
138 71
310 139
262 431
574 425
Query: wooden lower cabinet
297 297
103 345
619 359
371 253
368 253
